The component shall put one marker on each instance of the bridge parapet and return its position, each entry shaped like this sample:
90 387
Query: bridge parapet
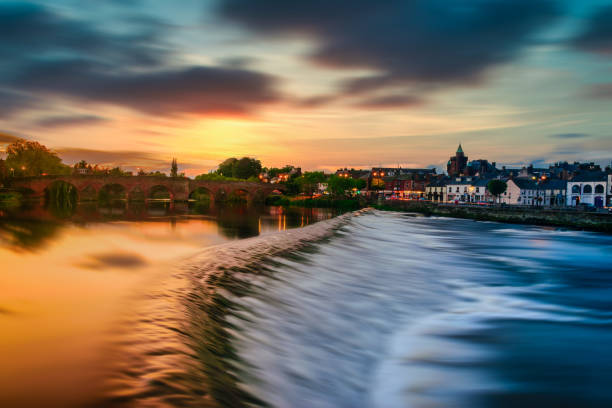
179 188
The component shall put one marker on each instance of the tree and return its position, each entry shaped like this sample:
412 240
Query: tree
337 185
275 171
174 168
247 167
497 188
308 182
226 168
28 158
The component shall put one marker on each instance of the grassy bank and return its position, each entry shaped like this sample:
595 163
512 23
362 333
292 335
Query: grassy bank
347 204
560 219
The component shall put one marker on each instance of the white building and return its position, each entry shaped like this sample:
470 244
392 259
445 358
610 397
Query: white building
520 191
609 187
457 189
436 191
588 188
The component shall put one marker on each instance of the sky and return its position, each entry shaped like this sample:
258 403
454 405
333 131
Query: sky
319 84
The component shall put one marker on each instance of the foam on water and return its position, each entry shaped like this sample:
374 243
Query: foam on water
399 311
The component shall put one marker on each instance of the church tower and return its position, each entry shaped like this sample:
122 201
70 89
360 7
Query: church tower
457 164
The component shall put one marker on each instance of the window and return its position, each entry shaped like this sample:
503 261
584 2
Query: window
457 190
599 189
587 189
576 189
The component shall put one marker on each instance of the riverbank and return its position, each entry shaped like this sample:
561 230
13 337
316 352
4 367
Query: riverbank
562 219
347 204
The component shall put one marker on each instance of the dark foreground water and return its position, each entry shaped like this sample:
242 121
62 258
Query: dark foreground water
375 310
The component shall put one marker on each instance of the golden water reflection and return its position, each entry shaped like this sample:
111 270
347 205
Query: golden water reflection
64 283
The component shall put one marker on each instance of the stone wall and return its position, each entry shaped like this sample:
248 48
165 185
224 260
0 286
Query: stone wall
591 221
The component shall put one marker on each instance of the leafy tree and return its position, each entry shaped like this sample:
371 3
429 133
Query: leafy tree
240 169
28 158
337 185
226 168
247 167
497 187
292 186
360 184
81 165
174 168
156 173
308 182
275 171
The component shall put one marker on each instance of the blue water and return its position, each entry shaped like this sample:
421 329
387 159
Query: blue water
401 311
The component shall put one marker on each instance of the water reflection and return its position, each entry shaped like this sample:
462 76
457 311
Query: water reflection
32 225
69 275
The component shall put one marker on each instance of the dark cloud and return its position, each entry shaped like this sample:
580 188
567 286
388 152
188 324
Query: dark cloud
420 41
597 34
600 91
59 121
570 135
51 55
391 101
12 102
198 90
30 30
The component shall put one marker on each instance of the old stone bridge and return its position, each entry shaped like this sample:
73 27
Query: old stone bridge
177 188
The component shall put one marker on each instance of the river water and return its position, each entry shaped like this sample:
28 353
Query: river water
370 309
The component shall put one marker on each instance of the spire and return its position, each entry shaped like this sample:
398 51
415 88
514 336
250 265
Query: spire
459 149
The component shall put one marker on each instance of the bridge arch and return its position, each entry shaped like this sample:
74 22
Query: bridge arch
60 192
201 194
239 196
112 191
160 192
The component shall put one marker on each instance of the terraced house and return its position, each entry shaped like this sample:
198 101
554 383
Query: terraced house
588 188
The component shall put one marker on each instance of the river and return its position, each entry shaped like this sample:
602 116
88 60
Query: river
370 309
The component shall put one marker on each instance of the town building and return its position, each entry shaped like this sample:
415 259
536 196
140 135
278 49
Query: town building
520 191
480 168
588 188
458 189
609 194
551 192
468 190
456 164
399 182
436 190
